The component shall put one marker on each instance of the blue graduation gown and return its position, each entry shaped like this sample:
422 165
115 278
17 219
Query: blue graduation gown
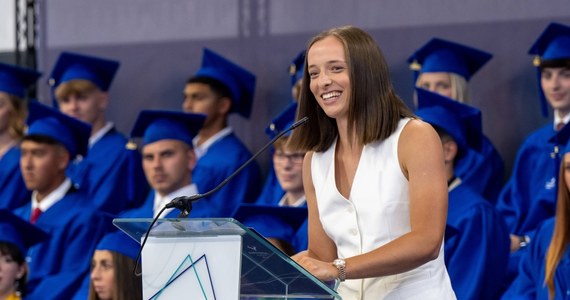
222 159
476 256
529 196
483 170
111 174
58 266
13 191
529 284
272 191
301 238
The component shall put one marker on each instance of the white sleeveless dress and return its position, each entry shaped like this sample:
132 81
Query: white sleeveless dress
377 212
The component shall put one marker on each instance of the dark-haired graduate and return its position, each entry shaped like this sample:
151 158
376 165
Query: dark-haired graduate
57 265
112 265
16 237
168 161
287 191
529 197
113 179
218 89
272 191
477 240
13 83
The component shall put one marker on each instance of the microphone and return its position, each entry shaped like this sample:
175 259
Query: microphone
184 203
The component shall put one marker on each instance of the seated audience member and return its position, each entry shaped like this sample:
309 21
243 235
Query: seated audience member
544 270
277 224
529 196
445 67
287 165
476 255
56 206
113 180
168 161
271 189
16 237
13 83
112 267
288 172
218 89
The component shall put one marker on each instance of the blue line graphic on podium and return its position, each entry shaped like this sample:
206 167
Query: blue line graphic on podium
188 263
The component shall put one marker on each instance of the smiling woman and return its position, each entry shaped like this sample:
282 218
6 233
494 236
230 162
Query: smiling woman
371 166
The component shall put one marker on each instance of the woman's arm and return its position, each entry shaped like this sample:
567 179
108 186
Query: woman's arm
322 250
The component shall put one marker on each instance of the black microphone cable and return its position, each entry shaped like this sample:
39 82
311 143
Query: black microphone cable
184 203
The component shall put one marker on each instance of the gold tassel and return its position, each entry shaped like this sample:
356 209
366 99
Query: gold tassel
536 61
415 66
292 69
131 145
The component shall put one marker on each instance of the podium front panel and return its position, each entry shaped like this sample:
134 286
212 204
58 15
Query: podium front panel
213 258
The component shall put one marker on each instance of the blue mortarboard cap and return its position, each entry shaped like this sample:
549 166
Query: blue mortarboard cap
238 80
14 80
461 121
439 55
70 132
120 242
553 43
297 67
19 232
70 66
272 221
282 121
156 125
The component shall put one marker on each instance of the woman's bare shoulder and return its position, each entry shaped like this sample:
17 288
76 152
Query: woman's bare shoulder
417 129
418 135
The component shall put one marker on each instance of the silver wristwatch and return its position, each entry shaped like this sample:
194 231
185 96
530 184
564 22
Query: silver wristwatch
340 264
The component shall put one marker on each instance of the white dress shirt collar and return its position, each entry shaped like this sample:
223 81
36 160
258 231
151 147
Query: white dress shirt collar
52 198
203 148
161 201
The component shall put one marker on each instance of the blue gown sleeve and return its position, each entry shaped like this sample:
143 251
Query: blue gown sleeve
222 159
272 191
477 256
529 195
301 238
483 170
113 181
529 283
13 191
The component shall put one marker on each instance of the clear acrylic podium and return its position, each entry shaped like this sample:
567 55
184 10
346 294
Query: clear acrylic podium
217 259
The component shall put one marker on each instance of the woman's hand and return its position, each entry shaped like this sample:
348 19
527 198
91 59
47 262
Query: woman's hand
325 271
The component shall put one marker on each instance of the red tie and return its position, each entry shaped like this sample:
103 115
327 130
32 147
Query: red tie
35 215
560 126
